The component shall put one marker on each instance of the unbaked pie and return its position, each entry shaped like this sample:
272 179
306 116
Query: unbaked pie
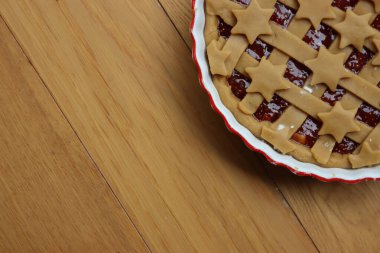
303 75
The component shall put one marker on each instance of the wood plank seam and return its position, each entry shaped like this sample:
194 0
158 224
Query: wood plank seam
172 22
87 151
262 161
77 136
187 46
124 208
266 171
105 81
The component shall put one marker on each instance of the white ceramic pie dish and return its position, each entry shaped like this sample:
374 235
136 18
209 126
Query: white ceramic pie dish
297 167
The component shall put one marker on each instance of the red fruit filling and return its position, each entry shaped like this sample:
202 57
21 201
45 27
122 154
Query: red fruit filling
357 60
345 4
376 23
347 146
259 49
239 84
271 111
283 14
323 35
297 73
368 115
332 97
307 134
242 2
224 29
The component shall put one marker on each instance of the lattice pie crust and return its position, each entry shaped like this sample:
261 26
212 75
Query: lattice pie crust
302 75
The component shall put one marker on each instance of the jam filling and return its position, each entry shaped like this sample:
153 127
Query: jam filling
259 49
324 35
283 14
368 115
239 84
345 4
307 134
347 146
357 60
242 2
297 73
376 23
332 97
224 29
271 111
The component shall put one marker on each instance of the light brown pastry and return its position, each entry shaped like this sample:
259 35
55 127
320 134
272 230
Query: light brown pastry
302 75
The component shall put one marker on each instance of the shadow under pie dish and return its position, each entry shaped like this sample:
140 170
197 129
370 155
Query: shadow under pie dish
301 75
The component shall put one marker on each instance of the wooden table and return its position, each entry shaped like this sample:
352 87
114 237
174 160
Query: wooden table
108 144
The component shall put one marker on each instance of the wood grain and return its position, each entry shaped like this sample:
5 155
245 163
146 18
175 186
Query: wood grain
126 82
338 217
180 15
53 198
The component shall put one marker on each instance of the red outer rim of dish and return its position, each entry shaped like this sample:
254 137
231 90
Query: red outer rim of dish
231 129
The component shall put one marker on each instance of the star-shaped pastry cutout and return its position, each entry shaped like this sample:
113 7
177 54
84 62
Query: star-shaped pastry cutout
354 30
366 157
328 68
252 21
217 59
338 122
376 61
222 8
377 5
315 12
267 79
